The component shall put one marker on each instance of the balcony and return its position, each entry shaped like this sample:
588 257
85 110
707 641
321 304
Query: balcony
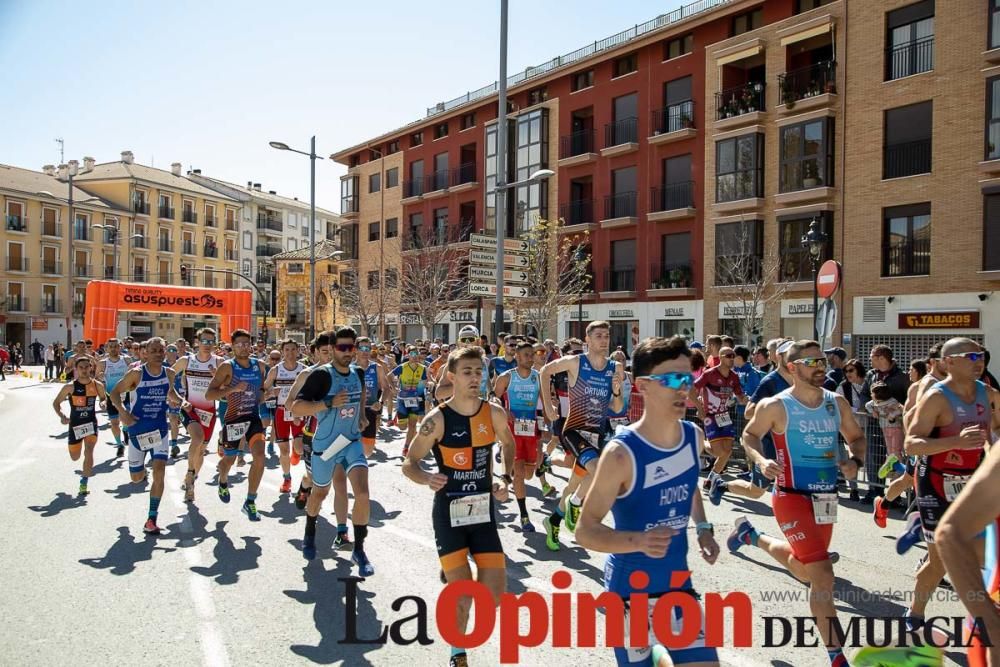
166 213
81 232
138 275
620 209
673 123
268 250
671 280
413 191
80 271
911 257
17 304
437 184
210 251
619 282
295 319
910 58
19 264
51 267
51 306
165 245
907 159
349 206
269 224
17 223
331 235
621 136
231 226
189 216
109 273
578 215
808 88
188 281
231 255
211 221
52 229
577 148
79 308
264 275
140 207
415 239
139 242
463 177
740 105
187 247
674 201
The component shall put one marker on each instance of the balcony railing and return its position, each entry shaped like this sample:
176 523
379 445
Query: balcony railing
17 263
437 180
52 229
80 270
576 143
210 251
674 117
816 79
413 188
577 212
269 223
165 245
17 223
109 273
211 221
140 207
51 267
187 247
190 216
268 250
51 306
231 225
79 308
139 242
138 275
622 131
740 100
670 275
621 279
166 212
231 255
189 280
464 173
17 303
672 196
909 58
453 233
621 205
910 258
264 276
912 157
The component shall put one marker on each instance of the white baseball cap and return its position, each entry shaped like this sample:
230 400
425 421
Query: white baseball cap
468 331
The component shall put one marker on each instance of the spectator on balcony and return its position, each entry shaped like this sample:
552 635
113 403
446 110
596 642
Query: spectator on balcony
835 359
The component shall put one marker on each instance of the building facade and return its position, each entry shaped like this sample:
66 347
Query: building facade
293 307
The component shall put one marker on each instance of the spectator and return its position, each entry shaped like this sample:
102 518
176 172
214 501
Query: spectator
884 370
697 368
749 376
889 413
712 345
550 346
835 358
727 341
50 362
761 361
36 352
918 369
850 389
987 377
59 353
4 360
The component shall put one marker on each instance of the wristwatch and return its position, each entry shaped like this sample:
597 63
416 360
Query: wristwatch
704 525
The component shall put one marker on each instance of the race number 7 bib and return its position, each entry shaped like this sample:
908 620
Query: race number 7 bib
524 427
469 510
953 485
236 431
722 419
146 441
83 430
825 507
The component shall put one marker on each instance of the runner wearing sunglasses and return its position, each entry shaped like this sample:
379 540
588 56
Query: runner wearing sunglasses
198 370
468 336
110 370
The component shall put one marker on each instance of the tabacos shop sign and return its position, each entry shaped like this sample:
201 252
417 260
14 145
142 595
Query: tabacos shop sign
953 319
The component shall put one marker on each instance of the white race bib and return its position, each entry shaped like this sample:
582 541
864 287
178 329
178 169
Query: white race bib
83 430
825 507
590 437
283 394
271 403
204 416
722 419
953 485
618 421
411 402
236 431
542 425
146 441
286 415
469 510
524 427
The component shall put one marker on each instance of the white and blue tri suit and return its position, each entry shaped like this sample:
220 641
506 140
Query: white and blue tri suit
149 406
664 482
323 384
114 371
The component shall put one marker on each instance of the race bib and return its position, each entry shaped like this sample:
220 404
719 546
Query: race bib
283 394
825 507
722 419
469 510
590 437
542 425
146 441
953 485
83 430
236 431
286 415
204 416
524 427
411 402
271 403
618 421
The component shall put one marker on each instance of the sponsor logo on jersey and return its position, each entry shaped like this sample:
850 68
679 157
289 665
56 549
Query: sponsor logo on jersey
668 468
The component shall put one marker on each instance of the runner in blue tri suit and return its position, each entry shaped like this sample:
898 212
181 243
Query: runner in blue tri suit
335 394
152 384
647 477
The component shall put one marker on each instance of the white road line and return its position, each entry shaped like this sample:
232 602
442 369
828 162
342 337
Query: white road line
407 535
213 647
11 464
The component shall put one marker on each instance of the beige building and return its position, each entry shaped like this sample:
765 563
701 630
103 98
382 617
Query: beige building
292 308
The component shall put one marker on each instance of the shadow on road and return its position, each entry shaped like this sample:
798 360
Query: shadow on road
125 553
284 510
62 501
378 516
128 489
230 561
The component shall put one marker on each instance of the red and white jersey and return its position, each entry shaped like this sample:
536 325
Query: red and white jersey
285 379
199 375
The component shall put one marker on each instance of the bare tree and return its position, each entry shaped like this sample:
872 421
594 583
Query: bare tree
747 280
558 272
367 306
433 272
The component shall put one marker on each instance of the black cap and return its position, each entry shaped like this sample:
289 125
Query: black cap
839 351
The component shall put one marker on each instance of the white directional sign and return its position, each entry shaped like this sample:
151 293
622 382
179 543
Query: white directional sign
489 258
490 273
482 289
483 241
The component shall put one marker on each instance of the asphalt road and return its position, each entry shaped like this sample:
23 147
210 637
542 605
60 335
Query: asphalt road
82 584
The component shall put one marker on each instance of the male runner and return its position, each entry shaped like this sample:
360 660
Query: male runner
110 370
647 478
948 430
518 388
804 421
500 364
335 395
713 344
198 370
376 386
82 394
461 433
716 388
595 384
238 381
411 377
146 420
288 428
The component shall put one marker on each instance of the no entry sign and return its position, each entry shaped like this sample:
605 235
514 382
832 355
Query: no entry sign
828 279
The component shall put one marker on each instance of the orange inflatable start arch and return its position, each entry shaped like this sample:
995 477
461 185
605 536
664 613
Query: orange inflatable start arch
106 298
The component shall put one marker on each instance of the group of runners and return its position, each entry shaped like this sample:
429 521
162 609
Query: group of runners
478 430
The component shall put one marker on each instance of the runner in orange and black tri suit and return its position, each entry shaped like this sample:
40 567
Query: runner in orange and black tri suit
461 433
82 392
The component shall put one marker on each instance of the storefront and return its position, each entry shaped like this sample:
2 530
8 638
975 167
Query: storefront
676 320
632 322
797 318
140 330
734 321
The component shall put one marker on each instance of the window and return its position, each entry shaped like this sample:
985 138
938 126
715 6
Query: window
468 120
293 220
416 139
247 267
374 183
678 107
294 244
621 274
739 168
906 240
295 308
296 267
621 203
806 156
678 186
625 65
440 226
537 96
392 177
81 227
349 194
991 232
993 118
625 125
909 40
583 80
806 5
739 248
796 264
439 179
528 137
373 280
392 147
415 231
373 231
674 269
392 228
747 22
993 40
247 240
391 279
441 130
678 47
907 137
415 186
355 160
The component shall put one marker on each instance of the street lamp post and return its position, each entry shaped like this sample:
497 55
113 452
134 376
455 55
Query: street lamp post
501 193
312 224
67 172
815 240
114 229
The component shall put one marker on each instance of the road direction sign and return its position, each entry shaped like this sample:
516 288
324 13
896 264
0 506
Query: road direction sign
484 241
828 279
489 258
490 273
826 320
482 289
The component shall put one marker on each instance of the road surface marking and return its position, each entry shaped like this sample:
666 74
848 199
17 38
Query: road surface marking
407 535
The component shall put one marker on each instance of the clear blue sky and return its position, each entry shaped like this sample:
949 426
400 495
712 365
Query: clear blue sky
209 83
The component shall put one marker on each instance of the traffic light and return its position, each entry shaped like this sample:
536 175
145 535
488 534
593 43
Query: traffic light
184 273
